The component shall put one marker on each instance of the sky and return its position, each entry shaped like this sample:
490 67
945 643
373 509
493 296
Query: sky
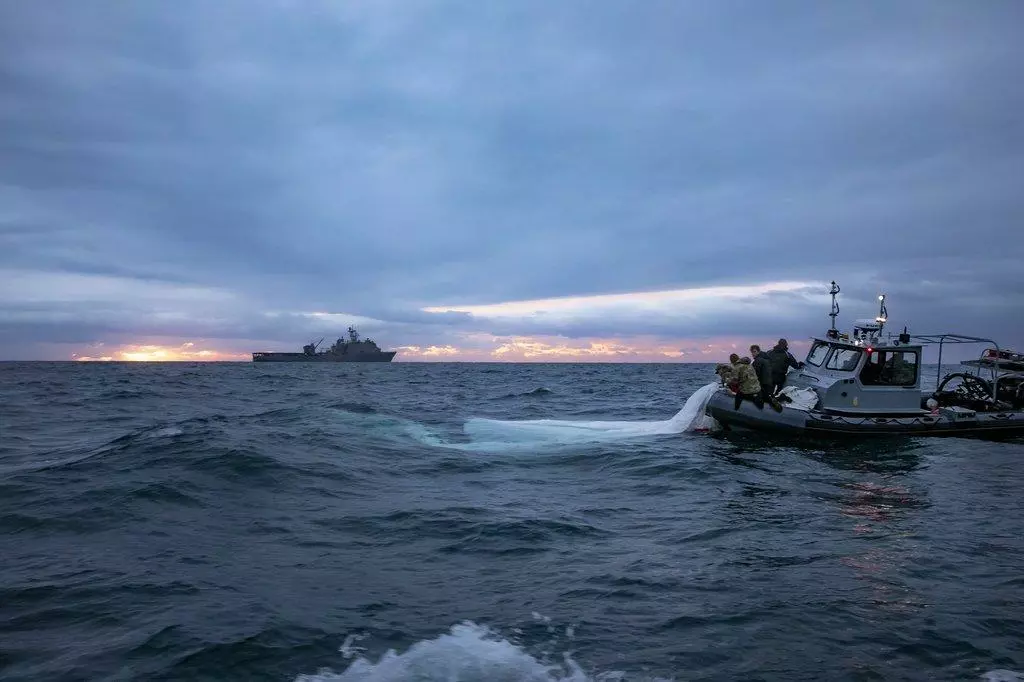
508 181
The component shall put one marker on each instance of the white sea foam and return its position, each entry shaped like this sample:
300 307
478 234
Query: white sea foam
348 648
1003 676
474 653
467 653
167 432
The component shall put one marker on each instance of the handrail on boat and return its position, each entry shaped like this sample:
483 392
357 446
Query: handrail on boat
941 339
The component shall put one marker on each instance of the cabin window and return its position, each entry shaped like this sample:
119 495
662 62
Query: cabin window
844 359
817 354
890 368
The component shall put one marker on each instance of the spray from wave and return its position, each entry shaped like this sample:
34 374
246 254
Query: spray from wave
1003 676
467 653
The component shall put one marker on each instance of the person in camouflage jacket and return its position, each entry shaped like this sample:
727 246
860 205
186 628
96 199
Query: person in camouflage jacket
745 384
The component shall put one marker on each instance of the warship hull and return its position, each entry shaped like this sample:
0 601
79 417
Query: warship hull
383 356
354 349
949 422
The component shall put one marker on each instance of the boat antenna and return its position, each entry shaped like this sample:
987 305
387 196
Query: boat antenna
883 314
835 307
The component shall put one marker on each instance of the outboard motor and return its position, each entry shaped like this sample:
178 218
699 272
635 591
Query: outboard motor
1010 389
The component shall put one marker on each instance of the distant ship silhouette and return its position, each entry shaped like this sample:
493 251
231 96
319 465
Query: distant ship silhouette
352 350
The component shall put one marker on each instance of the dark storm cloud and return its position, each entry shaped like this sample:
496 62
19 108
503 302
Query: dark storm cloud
201 164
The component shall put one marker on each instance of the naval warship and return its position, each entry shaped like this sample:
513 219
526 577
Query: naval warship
354 349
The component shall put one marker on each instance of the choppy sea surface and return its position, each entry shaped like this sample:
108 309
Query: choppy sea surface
397 522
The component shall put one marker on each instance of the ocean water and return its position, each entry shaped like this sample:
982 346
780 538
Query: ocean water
402 522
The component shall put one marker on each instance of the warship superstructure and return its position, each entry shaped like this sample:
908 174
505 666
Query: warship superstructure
354 349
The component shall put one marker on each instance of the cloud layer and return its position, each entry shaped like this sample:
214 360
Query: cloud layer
249 175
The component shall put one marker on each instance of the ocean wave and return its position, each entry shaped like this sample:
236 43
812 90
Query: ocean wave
70 457
539 392
73 524
123 394
240 463
164 493
519 536
152 439
271 377
452 465
94 508
106 495
466 530
357 408
278 416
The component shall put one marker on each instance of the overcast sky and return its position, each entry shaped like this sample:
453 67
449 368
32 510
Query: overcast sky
504 180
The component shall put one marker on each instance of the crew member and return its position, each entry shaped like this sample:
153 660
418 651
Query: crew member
725 373
780 360
763 370
747 385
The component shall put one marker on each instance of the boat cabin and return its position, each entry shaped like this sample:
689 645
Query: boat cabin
883 377
863 373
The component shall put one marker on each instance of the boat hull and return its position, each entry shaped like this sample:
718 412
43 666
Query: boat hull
792 421
384 356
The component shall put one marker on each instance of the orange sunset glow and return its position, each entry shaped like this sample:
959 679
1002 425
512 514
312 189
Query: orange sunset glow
186 352
556 349
478 348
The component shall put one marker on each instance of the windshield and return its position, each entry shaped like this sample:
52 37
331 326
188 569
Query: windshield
844 359
817 354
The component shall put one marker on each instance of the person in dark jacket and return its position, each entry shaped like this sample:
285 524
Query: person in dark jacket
780 360
763 369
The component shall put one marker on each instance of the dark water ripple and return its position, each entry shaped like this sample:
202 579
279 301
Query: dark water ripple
233 521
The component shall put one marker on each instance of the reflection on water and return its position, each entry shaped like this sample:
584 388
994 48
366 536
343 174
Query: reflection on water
894 454
874 487
882 514
877 502
882 456
879 570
